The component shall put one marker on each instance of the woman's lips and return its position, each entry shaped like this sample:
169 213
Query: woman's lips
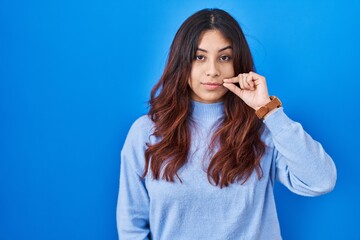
211 86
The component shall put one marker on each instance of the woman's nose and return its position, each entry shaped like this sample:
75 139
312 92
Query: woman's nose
212 70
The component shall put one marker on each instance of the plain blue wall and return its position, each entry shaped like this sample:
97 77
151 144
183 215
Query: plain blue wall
75 74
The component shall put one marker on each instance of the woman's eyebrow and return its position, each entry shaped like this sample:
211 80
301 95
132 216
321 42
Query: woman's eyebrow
222 49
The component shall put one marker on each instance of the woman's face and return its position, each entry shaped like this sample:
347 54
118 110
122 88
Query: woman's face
213 62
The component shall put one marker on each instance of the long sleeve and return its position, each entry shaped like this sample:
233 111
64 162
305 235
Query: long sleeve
133 200
301 163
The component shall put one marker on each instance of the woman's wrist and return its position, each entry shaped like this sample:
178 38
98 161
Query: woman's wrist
273 104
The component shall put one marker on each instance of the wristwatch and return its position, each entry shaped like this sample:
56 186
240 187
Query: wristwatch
273 104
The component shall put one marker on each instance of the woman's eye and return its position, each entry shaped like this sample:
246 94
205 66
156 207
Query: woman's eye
225 58
199 57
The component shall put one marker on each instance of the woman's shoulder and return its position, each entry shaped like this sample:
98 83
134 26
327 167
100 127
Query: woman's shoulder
142 126
143 122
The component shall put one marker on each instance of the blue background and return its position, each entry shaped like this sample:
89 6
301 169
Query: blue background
74 75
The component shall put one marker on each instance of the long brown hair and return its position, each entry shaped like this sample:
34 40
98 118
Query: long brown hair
238 136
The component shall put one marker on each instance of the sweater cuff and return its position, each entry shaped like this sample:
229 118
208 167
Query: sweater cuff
277 121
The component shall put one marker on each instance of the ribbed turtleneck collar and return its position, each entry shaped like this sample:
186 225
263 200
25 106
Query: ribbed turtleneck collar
207 111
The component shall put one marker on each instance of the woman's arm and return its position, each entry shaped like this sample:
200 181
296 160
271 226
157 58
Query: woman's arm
301 163
133 200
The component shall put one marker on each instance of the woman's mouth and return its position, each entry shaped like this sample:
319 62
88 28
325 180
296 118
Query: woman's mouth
211 86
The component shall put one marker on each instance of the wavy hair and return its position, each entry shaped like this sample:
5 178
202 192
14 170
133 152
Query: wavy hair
238 136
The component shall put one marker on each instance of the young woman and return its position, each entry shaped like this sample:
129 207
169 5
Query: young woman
203 162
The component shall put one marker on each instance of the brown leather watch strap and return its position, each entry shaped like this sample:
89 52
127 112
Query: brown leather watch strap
274 103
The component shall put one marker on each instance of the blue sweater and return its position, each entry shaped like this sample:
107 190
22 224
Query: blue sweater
196 209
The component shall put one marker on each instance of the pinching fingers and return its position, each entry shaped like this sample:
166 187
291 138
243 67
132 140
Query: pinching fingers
232 80
233 88
246 81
